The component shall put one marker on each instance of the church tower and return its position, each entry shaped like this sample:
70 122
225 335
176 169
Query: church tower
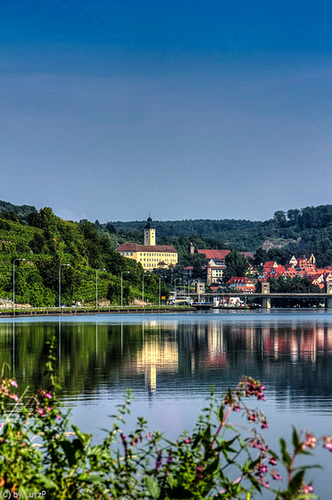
149 234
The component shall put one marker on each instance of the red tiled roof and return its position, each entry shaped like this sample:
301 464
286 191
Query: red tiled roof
214 254
135 247
279 269
220 254
269 264
239 279
290 272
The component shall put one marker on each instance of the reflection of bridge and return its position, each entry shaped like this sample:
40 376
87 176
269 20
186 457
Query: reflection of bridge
265 297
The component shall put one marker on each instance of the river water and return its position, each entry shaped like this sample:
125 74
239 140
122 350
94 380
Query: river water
171 360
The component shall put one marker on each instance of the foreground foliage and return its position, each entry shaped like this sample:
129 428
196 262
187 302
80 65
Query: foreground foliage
40 457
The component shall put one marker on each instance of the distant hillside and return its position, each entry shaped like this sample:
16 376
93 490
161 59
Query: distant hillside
215 233
188 227
297 231
21 211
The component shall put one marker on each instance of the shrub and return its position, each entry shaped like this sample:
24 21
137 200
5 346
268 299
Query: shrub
42 456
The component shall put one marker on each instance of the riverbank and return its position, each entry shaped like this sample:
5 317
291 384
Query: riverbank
78 311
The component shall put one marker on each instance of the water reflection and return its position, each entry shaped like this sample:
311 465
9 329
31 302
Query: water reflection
171 361
291 357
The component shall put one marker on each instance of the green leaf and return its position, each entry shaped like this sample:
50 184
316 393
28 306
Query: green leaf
207 433
213 467
197 440
296 441
231 428
152 487
46 482
296 482
285 455
90 478
84 438
69 450
171 481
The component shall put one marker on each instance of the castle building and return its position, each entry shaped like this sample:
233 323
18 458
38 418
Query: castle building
150 255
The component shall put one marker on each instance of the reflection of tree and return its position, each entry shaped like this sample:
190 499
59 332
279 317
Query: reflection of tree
294 359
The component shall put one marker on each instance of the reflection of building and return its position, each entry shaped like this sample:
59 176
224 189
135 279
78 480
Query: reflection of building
150 255
156 357
158 354
210 352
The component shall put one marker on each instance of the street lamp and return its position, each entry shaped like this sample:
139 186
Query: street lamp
97 285
175 280
123 272
14 281
60 282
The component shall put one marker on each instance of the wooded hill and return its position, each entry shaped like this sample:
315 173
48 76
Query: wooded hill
42 246
295 232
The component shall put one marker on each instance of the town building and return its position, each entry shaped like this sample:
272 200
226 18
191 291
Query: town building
242 283
298 267
214 266
150 255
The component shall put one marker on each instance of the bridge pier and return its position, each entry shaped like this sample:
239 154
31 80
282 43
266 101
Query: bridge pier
265 289
266 303
328 300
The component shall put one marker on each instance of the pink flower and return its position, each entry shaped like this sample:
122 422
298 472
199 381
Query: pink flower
262 468
14 383
328 442
310 441
48 395
264 424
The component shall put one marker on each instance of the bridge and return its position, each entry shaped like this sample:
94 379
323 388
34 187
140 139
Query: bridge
266 297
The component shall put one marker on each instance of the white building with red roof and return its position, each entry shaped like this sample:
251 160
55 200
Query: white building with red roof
150 255
242 283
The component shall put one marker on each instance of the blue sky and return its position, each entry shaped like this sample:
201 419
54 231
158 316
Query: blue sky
185 109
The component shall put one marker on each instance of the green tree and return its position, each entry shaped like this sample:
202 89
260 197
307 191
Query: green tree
237 265
114 291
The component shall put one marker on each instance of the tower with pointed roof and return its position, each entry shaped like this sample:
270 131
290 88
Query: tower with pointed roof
150 255
149 234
